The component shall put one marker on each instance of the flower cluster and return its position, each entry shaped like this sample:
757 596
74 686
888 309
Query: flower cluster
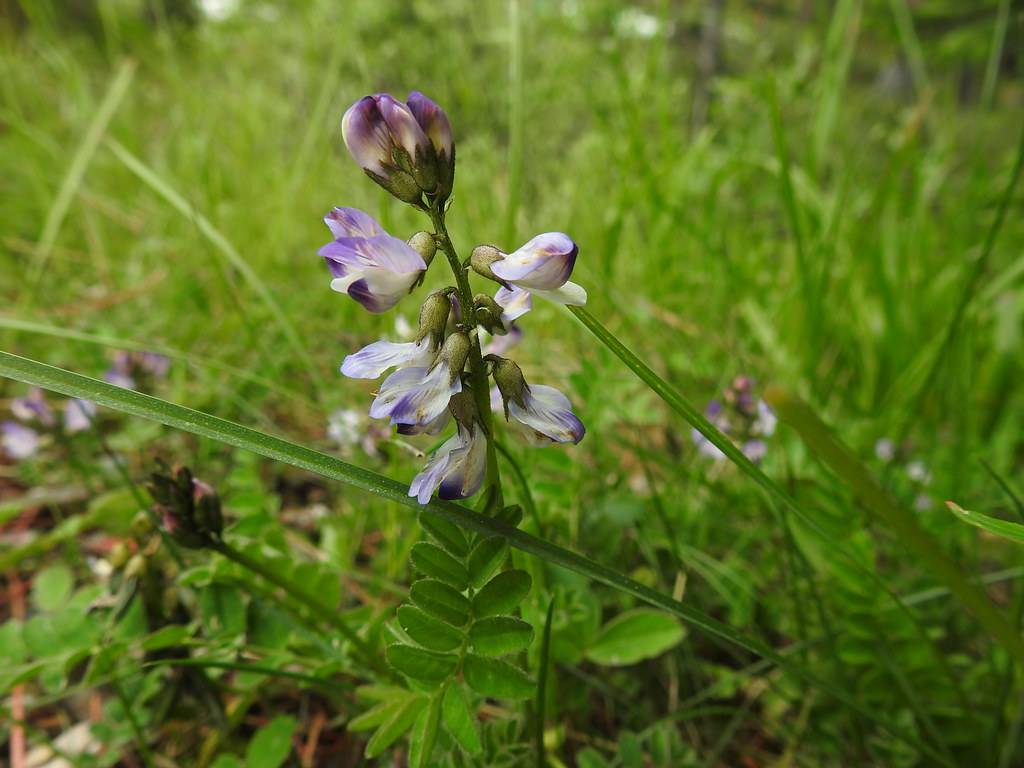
441 374
22 436
128 369
743 418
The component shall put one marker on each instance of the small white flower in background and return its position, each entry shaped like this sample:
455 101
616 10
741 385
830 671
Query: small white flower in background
18 441
885 450
917 471
923 502
78 415
344 427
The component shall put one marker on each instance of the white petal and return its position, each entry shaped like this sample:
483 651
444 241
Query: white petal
371 361
570 293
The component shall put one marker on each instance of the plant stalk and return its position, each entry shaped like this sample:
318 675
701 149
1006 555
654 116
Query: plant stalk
477 368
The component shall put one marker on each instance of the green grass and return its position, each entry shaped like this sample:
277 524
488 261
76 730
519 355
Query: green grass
163 187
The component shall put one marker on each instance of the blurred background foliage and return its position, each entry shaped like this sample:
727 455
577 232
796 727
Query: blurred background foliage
794 191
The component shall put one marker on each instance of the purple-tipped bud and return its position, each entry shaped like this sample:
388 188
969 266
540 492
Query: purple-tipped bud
435 125
386 140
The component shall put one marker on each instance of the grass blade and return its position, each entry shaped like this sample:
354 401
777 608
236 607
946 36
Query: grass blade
841 460
1002 528
542 684
151 179
205 425
76 171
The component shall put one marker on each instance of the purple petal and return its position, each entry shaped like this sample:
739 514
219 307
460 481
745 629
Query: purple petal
434 122
549 414
405 131
351 222
367 137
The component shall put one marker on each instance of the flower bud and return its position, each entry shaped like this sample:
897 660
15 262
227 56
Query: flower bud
388 143
209 518
425 245
434 123
482 258
434 318
454 353
189 509
463 408
509 378
119 555
136 567
487 313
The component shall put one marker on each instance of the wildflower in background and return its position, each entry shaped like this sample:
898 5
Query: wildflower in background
33 408
128 368
78 415
544 411
740 416
885 450
917 471
189 509
457 468
19 442
367 263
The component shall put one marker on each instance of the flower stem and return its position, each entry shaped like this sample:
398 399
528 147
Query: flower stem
477 368
326 612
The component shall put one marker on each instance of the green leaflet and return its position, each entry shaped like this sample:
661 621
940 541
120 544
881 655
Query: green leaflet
458 720
634 636
486 558
440 600
493 677
500 635
502 593
421 664
431 560
428 631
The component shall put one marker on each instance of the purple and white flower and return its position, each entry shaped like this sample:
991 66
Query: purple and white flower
543 266
18 441
78 415
416 395
373 267
456 470
33 408
547 415
371 361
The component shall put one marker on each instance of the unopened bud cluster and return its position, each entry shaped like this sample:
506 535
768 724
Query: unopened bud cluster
189 509
441 374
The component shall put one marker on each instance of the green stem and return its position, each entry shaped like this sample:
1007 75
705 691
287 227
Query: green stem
321 610
477 368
